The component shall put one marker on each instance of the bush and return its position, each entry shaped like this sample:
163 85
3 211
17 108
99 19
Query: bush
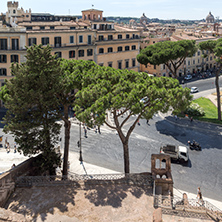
195 110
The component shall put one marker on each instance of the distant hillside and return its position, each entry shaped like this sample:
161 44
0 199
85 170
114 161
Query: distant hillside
126 20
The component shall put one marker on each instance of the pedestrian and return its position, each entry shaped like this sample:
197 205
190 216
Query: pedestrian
199 196
8 147
15 149
138 122
99 129
147 122
85 131
191 119
13 166
6 142
175 117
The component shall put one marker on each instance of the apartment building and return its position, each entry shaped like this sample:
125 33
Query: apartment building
12 48
89 38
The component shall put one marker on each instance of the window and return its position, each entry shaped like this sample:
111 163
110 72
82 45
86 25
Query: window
80 39
127 36
3 44
198 61
198 53
59 54
210 58
188 63
45 40
127 63
71 39
81 53
133 62
101 50
42 27
58 41
110 64
119 65
3 59
3 72
164 66
133 47
153 42
89 52
29 28
14 11
110 37
72 54
193 62
52 27
100 64
120 49
110 49
15 44
184 62
119 36
101 38
71 28
89 39
127 48
32 41
14 58
154 66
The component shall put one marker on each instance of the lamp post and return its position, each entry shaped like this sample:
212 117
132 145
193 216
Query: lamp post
80 144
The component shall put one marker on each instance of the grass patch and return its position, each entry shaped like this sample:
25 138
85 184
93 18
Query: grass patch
210 110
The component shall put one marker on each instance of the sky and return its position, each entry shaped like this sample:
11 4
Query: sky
162 9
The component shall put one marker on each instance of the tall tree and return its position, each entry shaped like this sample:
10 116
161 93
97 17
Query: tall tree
30 98
71 79
172 54
215 47
110 90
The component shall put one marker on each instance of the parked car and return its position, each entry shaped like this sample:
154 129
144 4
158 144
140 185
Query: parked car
188 77
194 89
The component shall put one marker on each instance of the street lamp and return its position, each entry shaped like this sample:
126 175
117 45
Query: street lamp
80 144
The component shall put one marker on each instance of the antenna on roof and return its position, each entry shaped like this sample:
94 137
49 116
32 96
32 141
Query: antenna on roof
92 6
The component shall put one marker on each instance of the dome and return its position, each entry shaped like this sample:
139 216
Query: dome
143 19
210 18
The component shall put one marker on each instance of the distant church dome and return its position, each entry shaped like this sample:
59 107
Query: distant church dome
210 18
143 19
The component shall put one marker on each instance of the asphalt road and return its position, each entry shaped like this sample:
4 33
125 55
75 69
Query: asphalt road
202 84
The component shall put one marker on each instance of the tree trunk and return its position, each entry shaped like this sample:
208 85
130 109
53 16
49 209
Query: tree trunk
218 94
66 146
126 157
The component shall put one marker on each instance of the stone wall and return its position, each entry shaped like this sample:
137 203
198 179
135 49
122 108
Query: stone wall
7 179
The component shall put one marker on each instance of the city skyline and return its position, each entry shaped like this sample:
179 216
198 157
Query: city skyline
162 9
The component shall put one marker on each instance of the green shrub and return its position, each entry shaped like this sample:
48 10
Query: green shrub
195 110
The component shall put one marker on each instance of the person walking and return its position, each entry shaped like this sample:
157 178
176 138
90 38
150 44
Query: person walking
199 196
6 143
8 147
191 119
85 132
15 149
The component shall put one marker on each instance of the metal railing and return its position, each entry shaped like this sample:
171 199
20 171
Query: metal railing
76 179
189 205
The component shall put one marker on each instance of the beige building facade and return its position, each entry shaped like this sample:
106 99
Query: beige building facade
90 38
